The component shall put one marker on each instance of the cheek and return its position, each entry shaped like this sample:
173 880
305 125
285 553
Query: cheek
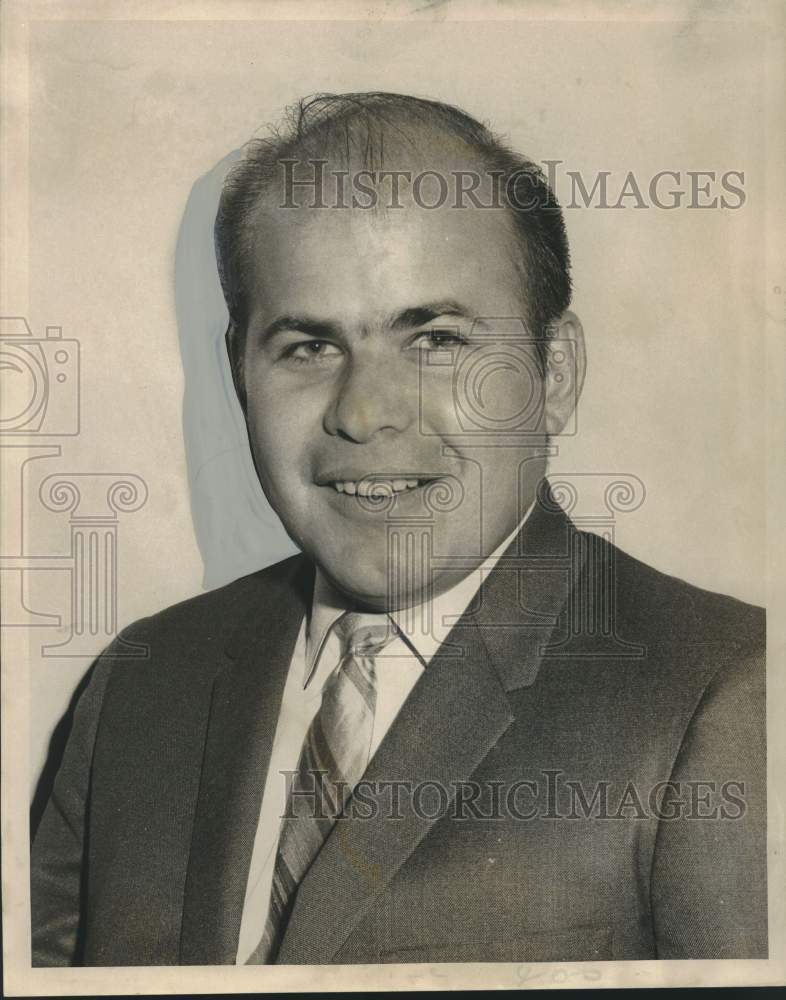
436 403
276 433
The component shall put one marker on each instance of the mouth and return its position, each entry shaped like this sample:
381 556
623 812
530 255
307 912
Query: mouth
379 487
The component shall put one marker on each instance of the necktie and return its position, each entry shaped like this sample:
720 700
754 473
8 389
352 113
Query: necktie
334 756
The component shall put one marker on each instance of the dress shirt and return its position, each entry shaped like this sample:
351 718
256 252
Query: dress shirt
420 630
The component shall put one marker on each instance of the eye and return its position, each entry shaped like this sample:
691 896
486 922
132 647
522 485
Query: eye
438 337
311 352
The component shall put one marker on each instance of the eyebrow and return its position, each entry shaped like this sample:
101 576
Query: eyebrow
302 324
420 315
405 320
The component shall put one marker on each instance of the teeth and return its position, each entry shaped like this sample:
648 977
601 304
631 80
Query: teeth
376 487
371 489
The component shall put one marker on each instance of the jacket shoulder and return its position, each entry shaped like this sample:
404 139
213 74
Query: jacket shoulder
665 609
218 613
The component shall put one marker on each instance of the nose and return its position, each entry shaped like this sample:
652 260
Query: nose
375 396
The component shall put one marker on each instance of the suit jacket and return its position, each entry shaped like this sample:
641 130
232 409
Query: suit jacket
584 680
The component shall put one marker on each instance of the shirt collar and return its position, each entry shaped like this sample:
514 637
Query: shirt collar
424 626
327 606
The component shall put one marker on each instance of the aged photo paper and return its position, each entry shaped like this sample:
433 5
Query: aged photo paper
392 455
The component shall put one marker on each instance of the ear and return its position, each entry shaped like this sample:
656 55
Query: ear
235 343
566 365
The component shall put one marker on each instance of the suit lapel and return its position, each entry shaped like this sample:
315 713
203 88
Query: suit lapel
522 605
455 714
243 715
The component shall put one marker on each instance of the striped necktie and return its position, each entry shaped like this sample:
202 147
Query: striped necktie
334 756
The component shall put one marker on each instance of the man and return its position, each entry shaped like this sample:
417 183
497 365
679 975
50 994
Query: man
456 728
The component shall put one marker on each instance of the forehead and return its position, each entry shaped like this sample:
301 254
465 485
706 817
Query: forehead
359 263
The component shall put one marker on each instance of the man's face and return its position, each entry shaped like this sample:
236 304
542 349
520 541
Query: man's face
350 312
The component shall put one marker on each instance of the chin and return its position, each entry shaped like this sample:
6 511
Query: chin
359 572
371 590
366 585
359 568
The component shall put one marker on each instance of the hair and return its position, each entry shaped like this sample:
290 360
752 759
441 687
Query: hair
343 125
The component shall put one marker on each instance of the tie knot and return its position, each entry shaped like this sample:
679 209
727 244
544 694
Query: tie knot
364 633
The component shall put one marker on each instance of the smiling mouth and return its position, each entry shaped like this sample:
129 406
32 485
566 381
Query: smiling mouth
380 486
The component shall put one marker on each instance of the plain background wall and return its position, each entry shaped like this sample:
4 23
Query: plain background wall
126 116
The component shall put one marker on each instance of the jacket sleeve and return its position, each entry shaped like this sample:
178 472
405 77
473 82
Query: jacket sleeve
709 876
56 868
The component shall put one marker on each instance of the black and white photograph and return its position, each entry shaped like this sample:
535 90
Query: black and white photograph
392 438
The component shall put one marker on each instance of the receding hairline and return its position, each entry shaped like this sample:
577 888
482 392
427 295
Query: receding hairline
372 129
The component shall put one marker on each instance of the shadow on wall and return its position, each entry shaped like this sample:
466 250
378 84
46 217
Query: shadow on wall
237 530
